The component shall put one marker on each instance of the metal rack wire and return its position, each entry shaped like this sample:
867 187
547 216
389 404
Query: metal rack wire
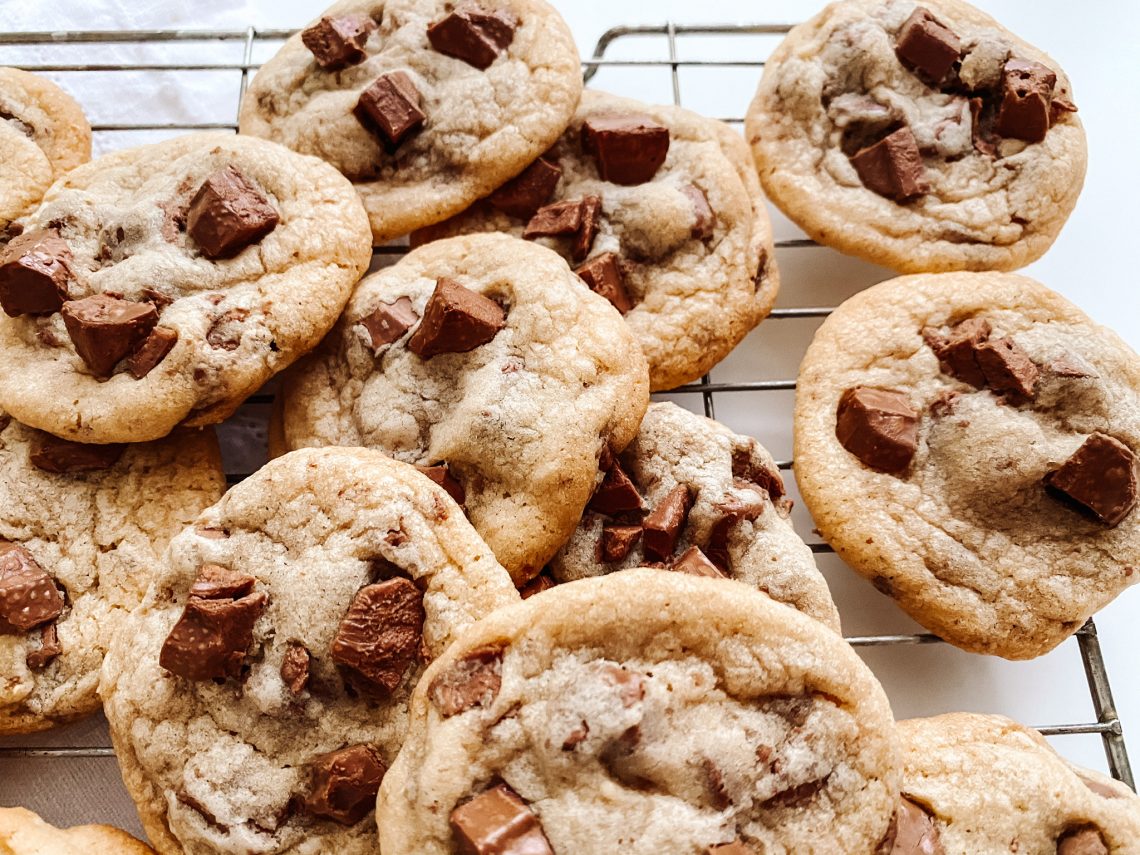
1107 723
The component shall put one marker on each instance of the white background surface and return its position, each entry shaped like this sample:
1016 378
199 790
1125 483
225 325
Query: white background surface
1092 264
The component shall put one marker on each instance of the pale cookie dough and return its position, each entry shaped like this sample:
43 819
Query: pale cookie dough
237 320
24 833
43 134
739 516
481 128
521 421
836 84
964 531
98 536
696 287
228 764
648 712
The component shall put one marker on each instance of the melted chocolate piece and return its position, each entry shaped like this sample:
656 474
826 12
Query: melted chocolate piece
63 457
344 784
957 352
704 220
473 34
338 42
694 562
456 320
927 46
1100 476
34 271
28 595
228 213
106 329
618 540
914 831
616 493
584 241
1082 841
602 274
152 351
498 822
1026 100
469 682
441 475
557 218
892 167
391 109
295 668
663 526
48 650
523 195
1007 368
226 331
389 323
627 149
878 426
380 635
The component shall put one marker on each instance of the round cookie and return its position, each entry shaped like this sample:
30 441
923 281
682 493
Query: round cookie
164 284
425 105
984 785
922 137
512 385
43 134
965 441
644 712
24 833
81 530
683 249
279 644
688 483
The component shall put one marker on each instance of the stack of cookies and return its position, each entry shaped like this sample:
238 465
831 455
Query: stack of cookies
486 597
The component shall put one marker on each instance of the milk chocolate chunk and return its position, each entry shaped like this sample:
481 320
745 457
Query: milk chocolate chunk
523 195
473 681
734 848
1100 476
106 329
892 167
389 322
694 562
584 241
498 822
618 540
338 42
295 668
745 468
48 650
879 427
914 830
473 34
1026 100
663 526
344 783
215 582
602 274
957 352
228 213
1082 841
391 108
380 635
456 320
63 457
732 510
1007 368
152 351
927 45
616 493
704 220
34 271
28 595
627 149
557 218
441 475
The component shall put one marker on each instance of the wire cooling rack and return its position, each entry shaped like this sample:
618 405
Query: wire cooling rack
666 60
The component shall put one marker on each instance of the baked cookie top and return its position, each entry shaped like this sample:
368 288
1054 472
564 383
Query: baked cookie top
690 494
24 833
279 644
644 712
671 228
43 134
425 105
164 284
984 785
925 137
486 359
81 530
965 440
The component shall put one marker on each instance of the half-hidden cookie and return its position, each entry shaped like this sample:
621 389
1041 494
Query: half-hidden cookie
485 360
260 691
925 137
43 134
164 284
967 442
691 495
24 833
984 785
657 209
644 712
81 530
425 105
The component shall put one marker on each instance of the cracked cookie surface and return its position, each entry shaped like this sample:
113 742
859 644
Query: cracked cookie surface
24 833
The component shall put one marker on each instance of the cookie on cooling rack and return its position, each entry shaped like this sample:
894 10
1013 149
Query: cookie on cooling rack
968 442
425 105
691 495
43 134
925 137
24 833
279 644
657 209
486 361
984 785
644 712
81 530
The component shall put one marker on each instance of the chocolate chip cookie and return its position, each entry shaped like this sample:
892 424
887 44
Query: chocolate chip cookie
425 105
984 785
24 833
279 644
485 361
688 494
81 530
43 134
925 137
163 284
967 441
658 210
644 712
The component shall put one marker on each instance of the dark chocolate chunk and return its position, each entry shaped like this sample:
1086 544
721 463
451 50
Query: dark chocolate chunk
557 218
618 540
892 167
152 351
879 427
1026 100
736 847
441 475
215 582
34 271
616 493
456 320
228 213
537 585
473 680
694 562
338 42
1100 476
627 149
28 595
48 650
704 220
602 274
1007 368
957 352
473 34
391 107
927 45
344 784
914 831
1082 841
523 195
105 329
210 639
61 456
663 526
389 322
498 822
584 241
380 635
295 668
